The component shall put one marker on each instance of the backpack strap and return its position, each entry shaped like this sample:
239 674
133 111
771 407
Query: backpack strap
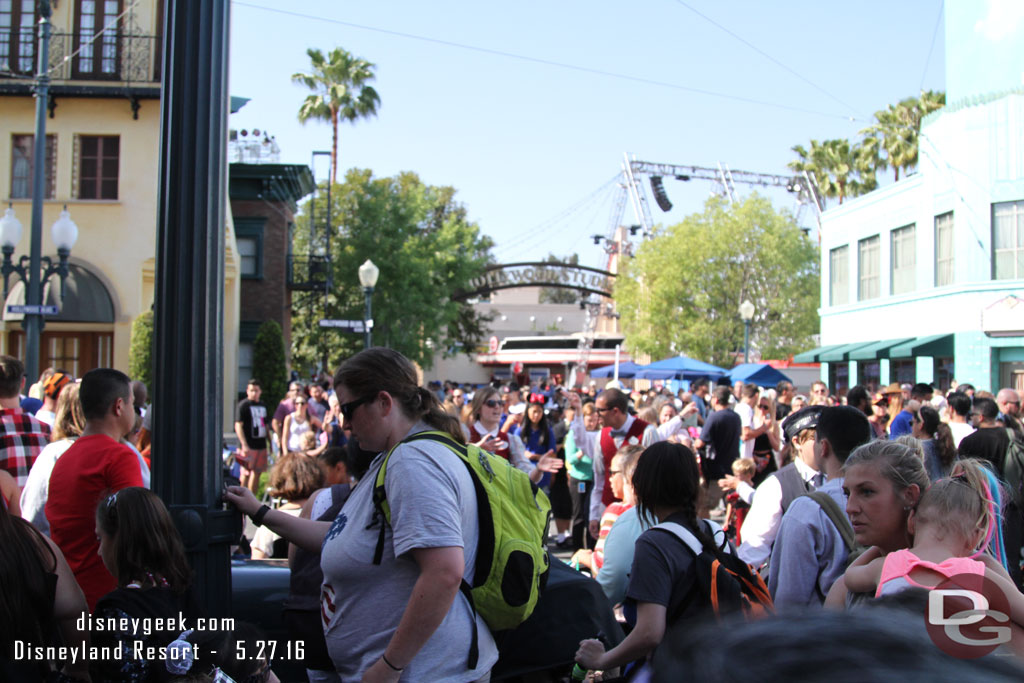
837 517
384 510
792 484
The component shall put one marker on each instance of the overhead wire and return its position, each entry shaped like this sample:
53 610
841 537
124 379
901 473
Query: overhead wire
935 33
766 55
548 62
544 225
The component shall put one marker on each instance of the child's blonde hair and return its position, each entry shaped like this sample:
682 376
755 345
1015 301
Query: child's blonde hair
964 504
743 467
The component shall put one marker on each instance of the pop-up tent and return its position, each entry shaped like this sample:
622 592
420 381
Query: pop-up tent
626 370
760 374
680 367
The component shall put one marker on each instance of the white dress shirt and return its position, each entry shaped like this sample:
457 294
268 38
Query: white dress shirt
650 436
762 522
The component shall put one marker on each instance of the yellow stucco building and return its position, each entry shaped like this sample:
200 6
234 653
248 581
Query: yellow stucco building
102 162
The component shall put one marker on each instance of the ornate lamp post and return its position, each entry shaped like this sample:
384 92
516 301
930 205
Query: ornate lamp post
65 234
746 315
368 274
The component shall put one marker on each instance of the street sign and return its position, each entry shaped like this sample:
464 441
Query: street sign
346 325
29 310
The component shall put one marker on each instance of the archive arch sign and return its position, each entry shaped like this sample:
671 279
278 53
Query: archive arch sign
539 274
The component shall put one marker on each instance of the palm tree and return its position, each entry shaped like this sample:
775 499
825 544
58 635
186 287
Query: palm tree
340 91
896 131
837 168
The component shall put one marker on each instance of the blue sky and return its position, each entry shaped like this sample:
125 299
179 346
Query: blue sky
533 147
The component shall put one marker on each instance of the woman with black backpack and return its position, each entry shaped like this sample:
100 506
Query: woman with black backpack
664 583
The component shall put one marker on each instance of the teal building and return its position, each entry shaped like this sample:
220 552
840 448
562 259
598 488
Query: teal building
923 280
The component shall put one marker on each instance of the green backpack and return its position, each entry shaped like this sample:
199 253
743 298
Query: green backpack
511 559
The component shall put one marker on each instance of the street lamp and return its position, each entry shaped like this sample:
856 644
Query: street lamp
65 234
746 315
368 274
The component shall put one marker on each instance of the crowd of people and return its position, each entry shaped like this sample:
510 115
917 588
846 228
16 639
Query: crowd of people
821 509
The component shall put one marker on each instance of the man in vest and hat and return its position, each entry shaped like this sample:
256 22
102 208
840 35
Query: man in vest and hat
618 428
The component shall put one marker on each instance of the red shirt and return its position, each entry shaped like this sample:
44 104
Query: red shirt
92 467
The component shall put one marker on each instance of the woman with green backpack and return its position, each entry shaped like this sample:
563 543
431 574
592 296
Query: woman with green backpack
392 600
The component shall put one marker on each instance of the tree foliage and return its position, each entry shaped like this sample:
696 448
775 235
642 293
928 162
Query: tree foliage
560 295
269 364
340 92
140 350
843 169
892 141
682 291
426 249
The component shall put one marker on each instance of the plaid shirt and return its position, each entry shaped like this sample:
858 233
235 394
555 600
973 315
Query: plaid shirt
22 437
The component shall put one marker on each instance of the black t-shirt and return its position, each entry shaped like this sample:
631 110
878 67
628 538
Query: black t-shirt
253 417
782 410
988 444
721 432
660 561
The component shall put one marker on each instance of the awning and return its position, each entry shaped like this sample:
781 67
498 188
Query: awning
840 353
879 349
812 355
936 346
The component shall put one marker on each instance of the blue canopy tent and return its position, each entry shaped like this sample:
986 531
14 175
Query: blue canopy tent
626 370
680 367
760 374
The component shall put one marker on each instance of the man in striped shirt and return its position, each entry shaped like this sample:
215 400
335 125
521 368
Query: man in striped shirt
22 436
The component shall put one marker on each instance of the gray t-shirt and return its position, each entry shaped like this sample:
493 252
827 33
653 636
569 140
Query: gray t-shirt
433 505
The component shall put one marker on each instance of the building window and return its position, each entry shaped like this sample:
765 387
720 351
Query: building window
1008 240
869 374
97 57
249 238
839 378
839 276
17 36
903 371
944 249
868 268
943 374
245 366
23 164
98 163
903 260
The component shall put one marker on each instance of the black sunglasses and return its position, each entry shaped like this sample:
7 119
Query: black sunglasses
492 403
349 409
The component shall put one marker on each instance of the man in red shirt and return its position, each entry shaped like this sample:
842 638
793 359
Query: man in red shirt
22 436
96 465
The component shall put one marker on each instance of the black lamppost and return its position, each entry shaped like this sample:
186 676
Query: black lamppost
65 234
368 274
746 315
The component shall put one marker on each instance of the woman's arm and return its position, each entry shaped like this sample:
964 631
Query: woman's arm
836 598
286 429
773 436
432 596
11 493
649 630
68 606
307 534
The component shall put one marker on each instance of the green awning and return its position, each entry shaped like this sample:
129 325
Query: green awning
879 349
812 355
936 346
840 353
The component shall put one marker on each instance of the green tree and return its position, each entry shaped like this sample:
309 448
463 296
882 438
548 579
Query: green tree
893 140
340 92
560 295
682 291
426 249
269 364
140 350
